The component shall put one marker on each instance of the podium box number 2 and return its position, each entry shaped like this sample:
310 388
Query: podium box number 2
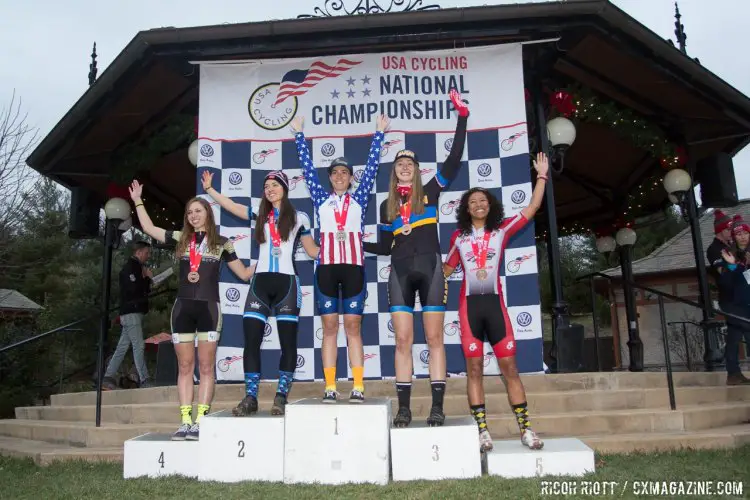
337 443
236 449
156 455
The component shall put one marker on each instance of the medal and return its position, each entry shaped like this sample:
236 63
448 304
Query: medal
341 218
275 236
405 211
196 254
480 252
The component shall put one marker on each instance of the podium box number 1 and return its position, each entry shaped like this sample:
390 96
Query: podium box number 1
337 443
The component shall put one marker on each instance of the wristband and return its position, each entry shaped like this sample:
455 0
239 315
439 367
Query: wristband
138 205
732 267
542 177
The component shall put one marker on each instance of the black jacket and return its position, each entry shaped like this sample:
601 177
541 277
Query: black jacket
134 288
724 281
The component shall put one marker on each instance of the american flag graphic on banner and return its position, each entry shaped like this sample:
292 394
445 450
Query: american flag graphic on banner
298 81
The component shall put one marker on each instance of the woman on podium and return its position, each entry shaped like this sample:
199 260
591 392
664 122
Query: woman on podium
196 312
478 245
408 233
341 265
274 286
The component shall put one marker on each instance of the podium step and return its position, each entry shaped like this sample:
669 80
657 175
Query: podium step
79 434
44 453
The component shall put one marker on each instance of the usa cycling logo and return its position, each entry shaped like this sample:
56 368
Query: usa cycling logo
232 294
484 169
328 150
507 144
261 156
385 272
523 319
387 145
452 328
223 364
207 151
235 178
424 356
300 361
515 265
518 196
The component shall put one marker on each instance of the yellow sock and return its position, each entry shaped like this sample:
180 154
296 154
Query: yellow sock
330 375
186 414
202 410
359 374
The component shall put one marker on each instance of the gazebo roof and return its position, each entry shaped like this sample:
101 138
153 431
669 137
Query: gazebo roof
599 46
13 300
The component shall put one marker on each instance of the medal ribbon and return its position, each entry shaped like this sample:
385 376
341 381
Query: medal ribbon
196 253
341 216
480 251
405 210
275 235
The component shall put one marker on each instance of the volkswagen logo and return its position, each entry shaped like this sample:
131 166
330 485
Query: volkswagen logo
390 325
328 149
207 150
448 144
235 178
267 330
523 319
300 361
358 175
484 169
319 333
518 196
424 356
232 294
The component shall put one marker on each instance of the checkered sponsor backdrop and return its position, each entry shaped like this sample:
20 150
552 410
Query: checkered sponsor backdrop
242 140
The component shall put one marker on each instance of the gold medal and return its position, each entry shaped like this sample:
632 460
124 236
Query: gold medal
482 274
406 229
193 277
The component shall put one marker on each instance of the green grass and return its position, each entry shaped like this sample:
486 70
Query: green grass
21 479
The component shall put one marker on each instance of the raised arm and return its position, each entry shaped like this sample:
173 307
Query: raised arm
317 193
452 164
241 211
541 165
362 193
385 242
159 234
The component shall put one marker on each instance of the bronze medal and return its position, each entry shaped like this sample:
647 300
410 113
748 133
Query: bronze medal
193 277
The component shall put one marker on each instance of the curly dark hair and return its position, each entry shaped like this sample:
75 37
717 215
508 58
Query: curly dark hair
494 216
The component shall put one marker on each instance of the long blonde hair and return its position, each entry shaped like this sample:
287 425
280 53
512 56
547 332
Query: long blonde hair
212 236
417 195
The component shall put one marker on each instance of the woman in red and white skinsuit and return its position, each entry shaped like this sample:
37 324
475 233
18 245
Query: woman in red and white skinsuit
478 245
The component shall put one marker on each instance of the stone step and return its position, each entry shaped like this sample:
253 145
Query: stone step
708 439
502 424
604 381
455 404
78 434
44 453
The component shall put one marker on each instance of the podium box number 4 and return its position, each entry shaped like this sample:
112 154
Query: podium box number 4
559 457
337 443
155 455
236 449
447 452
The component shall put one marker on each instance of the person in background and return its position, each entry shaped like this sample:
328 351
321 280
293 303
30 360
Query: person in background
135 285
737 266
725 282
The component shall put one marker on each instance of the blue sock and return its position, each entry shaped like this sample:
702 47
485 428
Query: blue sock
251 384
285 382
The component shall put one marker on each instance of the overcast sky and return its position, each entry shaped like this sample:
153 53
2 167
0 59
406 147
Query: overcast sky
46 43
